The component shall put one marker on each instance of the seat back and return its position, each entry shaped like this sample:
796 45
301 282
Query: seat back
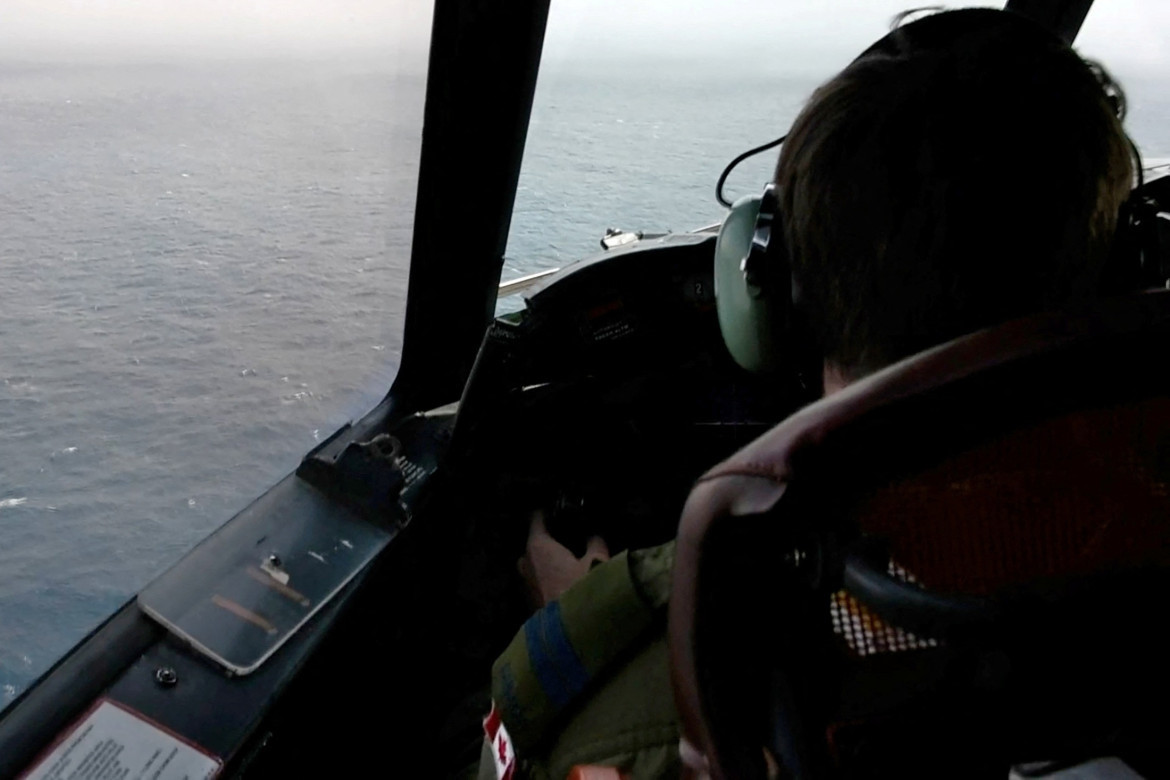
960 559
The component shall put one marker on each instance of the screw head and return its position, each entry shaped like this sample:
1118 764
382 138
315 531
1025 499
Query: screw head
274 559
166 676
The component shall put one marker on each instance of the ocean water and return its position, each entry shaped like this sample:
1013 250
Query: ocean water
202 273
203 270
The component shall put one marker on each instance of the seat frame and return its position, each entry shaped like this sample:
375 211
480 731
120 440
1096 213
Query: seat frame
766 536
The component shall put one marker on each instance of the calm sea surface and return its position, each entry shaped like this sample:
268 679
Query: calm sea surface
203 270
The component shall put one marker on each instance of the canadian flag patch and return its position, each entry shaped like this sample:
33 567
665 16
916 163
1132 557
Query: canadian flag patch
501 744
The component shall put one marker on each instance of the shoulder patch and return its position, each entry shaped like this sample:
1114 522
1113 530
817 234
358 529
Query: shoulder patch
503 753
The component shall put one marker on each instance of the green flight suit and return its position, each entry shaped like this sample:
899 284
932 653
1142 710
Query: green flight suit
587 681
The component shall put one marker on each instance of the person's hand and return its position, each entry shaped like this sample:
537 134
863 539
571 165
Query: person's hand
549 568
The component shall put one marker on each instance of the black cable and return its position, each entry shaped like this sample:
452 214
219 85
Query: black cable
731 167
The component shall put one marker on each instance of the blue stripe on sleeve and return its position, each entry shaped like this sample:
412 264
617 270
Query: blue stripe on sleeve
558 669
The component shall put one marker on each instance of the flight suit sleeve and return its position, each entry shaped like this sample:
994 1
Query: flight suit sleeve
574 640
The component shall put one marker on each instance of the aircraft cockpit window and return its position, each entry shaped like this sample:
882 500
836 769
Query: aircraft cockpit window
640 106
205 235
1131 38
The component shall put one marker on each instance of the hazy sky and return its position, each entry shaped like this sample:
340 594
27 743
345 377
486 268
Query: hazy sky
184 27
816 32
810 34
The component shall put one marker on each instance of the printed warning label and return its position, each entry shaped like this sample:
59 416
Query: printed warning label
112 743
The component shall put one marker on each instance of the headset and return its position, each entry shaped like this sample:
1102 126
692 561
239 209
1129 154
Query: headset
758 300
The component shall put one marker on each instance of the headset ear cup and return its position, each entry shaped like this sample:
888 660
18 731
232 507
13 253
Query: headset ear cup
748 311
1149 241
1140 255
757 298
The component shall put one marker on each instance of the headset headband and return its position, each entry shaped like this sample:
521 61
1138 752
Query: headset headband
946 30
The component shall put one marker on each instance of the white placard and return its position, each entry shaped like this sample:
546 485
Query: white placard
112 743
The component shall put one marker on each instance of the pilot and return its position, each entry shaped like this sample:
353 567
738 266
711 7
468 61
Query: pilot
967 169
